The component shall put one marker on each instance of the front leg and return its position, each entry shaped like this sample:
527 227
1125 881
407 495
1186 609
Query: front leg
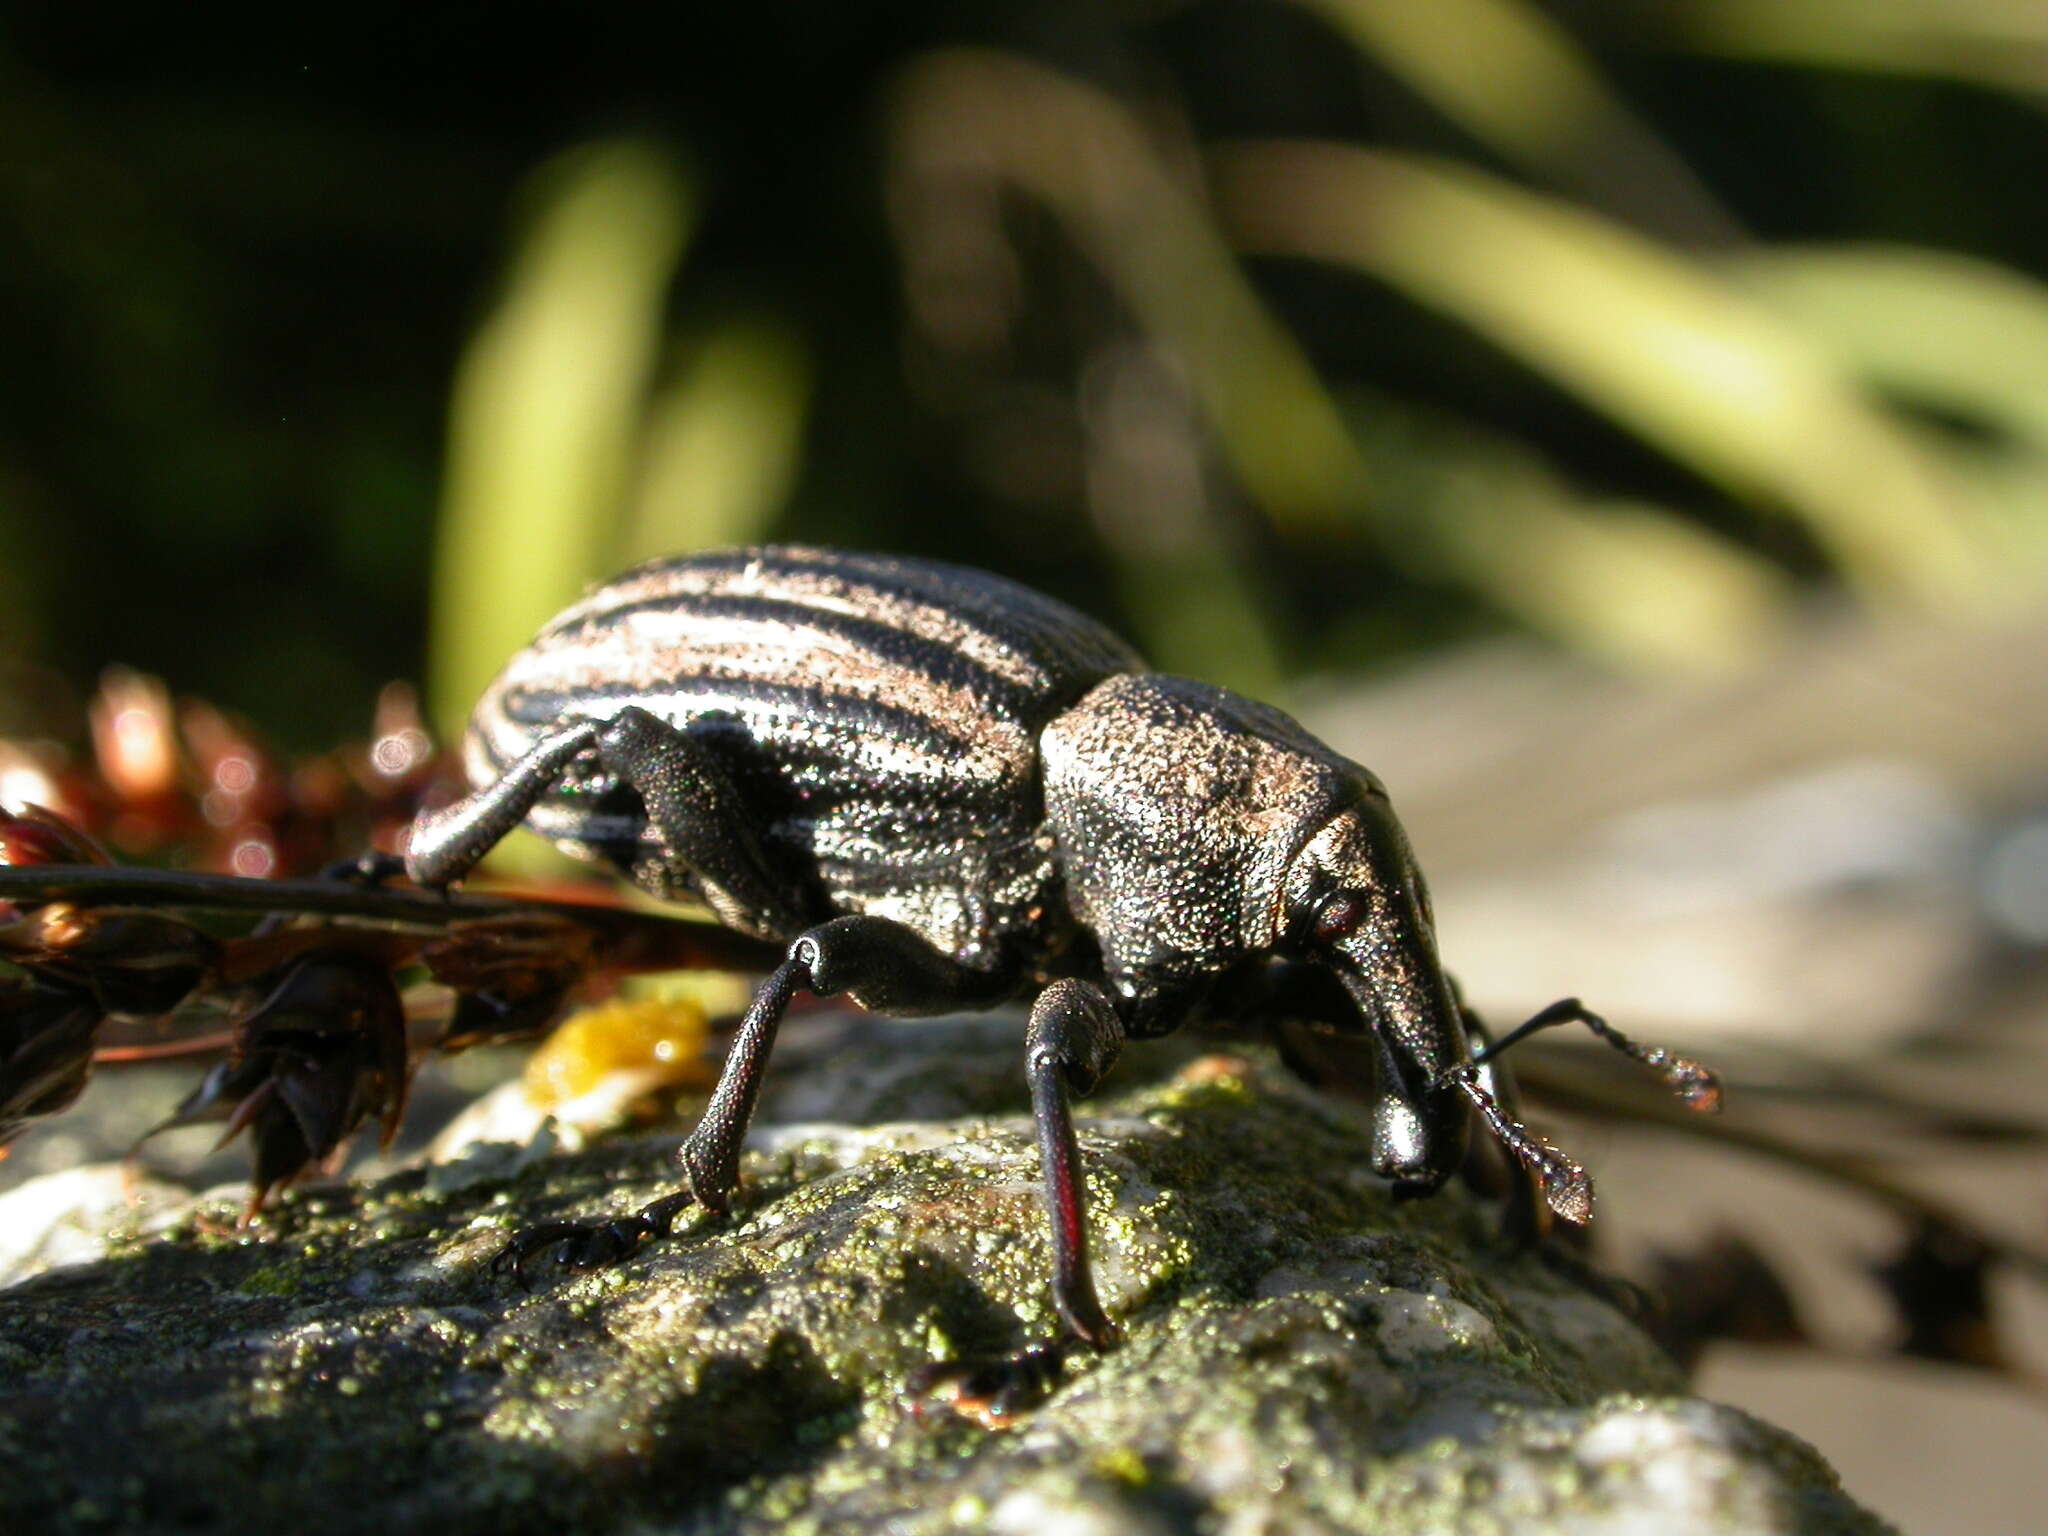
883 964
1074 1037
1697 1086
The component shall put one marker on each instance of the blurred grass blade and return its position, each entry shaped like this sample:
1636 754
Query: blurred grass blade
1967 337
2002 44
1631 583
1197 602
1627 581
724 439
1080 153
1519 83
1663 347
547 407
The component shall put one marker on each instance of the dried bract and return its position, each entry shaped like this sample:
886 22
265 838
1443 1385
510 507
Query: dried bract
325 1051
46 1036
511 974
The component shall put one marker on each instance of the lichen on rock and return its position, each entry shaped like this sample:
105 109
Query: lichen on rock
1301 1353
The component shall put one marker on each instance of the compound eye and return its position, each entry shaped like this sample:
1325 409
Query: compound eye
1339 915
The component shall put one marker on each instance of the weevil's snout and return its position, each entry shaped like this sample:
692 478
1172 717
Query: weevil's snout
1420 1127
1417 1144
1361 904
1357 902
1362 908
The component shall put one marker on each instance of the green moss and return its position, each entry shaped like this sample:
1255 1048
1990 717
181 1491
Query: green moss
271 1280
1285 1328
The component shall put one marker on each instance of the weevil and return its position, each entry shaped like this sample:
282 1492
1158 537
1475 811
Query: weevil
941 790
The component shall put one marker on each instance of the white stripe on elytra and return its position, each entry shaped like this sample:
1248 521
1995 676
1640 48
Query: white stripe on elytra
835 590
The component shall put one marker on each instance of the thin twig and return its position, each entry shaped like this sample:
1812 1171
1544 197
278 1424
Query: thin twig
637 939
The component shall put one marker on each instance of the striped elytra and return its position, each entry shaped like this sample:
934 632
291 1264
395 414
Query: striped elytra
879 717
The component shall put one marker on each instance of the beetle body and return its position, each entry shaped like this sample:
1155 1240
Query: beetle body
941 789
879 719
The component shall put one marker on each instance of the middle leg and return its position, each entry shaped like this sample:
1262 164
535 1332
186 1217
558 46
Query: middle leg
883 964
1074 1037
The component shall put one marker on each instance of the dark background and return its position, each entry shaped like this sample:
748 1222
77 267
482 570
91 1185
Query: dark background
239 267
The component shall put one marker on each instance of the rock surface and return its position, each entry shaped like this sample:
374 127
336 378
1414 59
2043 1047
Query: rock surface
1302 1355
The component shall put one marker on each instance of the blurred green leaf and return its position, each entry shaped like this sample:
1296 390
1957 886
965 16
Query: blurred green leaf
723 441
1082 154
1632 583
1967 337
1658 342
547 409
1518 82
1998 43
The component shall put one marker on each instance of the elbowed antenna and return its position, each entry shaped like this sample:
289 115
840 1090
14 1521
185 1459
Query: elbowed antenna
1695 1084
1567 1188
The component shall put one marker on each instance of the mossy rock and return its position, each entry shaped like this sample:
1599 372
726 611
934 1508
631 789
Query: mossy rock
1301 1353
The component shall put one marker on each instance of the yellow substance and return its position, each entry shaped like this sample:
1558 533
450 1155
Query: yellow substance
660 1038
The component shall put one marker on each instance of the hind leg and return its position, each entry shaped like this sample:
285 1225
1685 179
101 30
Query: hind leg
705 841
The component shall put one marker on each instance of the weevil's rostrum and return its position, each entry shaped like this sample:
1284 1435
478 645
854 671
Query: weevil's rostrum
943 790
